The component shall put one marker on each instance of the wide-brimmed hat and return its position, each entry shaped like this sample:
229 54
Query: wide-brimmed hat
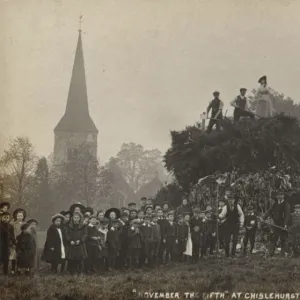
32 221
115 210
89 210
73 206
2 204
263 78
58 216
19 210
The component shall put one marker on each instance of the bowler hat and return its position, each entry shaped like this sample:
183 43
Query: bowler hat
243 89
216 93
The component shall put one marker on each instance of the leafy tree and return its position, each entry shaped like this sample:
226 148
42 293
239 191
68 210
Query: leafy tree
18 165
247 146
81 180
138 165
40 205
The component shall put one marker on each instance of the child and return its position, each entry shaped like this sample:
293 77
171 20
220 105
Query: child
133 214
4 207
149 210
189 245
140 215
211 233
169 237
100 215
182 236
123 238
221 222
93 245
295 230
196 242
162 222
134 244
32 229
7 239
19 216
76 235
113 244
103 255
146 238
26 250
251 227
54 249
156 239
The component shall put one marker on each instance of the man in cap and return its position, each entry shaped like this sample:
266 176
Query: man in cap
241 106
281 214
295 230
234 222
143 203
216 107
132 205
251 227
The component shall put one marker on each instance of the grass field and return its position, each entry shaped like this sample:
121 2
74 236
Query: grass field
279 275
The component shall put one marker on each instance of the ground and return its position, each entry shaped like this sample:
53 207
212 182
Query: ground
256 274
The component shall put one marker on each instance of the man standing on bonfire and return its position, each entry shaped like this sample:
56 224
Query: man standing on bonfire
216 107
234 222
240 104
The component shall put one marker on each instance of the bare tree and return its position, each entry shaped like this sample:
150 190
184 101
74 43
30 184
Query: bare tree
18 165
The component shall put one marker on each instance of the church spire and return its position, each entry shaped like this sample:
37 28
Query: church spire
77 117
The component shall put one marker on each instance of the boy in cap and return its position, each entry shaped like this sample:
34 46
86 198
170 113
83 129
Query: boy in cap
241 106
33 223
170 237
146 238
222 227
143 203
132 205
133 214
216 107
140 216
182 236
149 210
162 222
251 227
134 244
156 238
123 239
211 234
7 239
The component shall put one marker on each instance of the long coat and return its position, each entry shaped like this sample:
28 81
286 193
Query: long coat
53 241
17 231
75 233
7 238
26 250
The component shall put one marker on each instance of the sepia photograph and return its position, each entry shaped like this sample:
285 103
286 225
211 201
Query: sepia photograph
149 149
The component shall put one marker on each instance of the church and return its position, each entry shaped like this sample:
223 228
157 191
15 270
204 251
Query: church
76 128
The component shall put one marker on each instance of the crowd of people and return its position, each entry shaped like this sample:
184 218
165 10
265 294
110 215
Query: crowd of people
81 240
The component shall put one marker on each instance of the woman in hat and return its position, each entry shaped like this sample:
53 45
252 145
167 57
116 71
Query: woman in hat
19 216
26 250
189 246
263 95
54 251
76 234
77 208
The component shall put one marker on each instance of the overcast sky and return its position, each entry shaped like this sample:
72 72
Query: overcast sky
151 65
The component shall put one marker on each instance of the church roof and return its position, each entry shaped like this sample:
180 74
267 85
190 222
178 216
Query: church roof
77 117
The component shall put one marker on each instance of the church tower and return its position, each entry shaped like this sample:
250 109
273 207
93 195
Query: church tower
76 128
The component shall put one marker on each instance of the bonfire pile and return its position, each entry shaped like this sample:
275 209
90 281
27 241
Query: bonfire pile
252 188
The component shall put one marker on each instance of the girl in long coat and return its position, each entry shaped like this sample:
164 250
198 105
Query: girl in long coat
19 216
26 250
76 234
32 229
54 249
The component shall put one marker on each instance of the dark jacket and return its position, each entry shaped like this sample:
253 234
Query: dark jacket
250 219
134 239
182 232
26 250
195 222
183 209
53 241
7 239
146 233
113 240
280 212
156 233
74 232
169 230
